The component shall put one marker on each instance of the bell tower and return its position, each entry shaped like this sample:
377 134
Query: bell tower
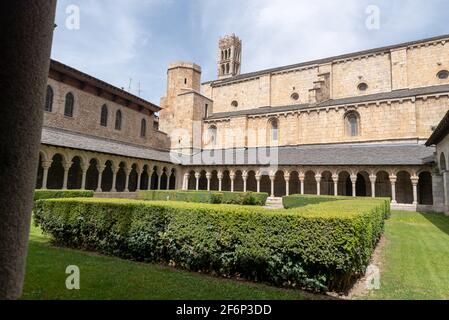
229 56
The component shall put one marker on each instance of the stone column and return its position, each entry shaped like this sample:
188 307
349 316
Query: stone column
220 180
67 167
114 179
415 181
373 179
46 165
159 179
139 179
302 179
197 177
354 185
232 177
393 180
446 198
318 184
185 185
83 180
335 178
209 178
272 179
287 183
100 177
27 28
258 179
150 176
127 173
245 181
168 179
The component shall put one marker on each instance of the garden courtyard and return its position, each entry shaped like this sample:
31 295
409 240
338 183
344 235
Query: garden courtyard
413 259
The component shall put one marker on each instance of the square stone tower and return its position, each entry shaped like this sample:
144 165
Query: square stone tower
229 56
184 107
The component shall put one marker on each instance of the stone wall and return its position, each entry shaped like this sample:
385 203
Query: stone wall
383 71
87 113
389 120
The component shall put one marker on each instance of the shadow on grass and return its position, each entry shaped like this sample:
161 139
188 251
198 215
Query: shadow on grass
439 220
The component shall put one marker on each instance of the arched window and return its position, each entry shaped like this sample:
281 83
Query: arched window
104 116
69 104
352 121
227 68
143 128
49 100
223 69
212 135
118 120
274 130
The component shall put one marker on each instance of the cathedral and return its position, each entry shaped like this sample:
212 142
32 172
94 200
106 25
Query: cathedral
350 125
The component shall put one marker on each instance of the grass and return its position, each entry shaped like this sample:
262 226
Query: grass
415 260
107 278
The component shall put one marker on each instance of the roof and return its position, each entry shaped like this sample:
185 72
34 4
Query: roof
325 60
363 154
106 87
397 94
66 139
440 132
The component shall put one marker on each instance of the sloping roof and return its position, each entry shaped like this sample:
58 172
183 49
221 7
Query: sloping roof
66 139
325 60
88 79
440 132
397 94
411 153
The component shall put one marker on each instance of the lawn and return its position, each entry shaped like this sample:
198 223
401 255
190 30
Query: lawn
106 278
415 260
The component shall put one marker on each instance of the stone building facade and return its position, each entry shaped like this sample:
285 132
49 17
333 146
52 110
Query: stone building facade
354 124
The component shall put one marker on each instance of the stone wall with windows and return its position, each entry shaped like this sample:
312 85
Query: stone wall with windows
418 65
85 117
387 120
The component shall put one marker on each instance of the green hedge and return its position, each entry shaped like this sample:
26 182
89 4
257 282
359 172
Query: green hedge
318 247
213 197
299 201
58 194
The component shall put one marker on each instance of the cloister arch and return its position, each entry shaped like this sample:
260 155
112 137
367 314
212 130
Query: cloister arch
404 188
75 174
383 185
92 175
251 184
327 184
56 172
344 184
108 177
425 188
310 186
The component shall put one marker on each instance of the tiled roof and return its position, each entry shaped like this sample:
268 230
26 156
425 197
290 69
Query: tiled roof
325 60
397 94
400 153
62 138
440 132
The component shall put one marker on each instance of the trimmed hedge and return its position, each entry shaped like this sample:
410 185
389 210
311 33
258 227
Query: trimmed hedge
299 201
212 197
58 194
318 247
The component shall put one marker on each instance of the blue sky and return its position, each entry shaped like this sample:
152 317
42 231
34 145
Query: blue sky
122 39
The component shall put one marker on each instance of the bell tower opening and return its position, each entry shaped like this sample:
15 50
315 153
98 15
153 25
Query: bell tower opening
229 56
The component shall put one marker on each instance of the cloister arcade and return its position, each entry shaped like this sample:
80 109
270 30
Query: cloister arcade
410 186
65 169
